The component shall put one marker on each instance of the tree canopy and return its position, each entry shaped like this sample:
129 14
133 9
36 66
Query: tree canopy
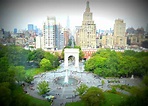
110 63
93 97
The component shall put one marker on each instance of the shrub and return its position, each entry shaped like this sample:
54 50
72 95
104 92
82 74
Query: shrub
43 87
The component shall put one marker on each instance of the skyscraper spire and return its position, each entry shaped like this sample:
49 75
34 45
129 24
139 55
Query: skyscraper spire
87 7
87 4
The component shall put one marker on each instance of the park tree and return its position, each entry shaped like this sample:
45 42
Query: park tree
81 89
54 59
93 97
81 54
43 87
19 72
36 56
139 95
45 64
19 99
5 94
95 62
128 65
17 56
28 78
110 63
4 64
3 50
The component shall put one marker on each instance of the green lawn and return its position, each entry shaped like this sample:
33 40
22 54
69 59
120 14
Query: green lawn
111 100
75 104
34 71
38 102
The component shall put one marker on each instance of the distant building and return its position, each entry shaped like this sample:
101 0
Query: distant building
49 33
77 28
20 41
59 40
15 30
30 27
88 53
113 39
86 35
66 36
39 42
119 38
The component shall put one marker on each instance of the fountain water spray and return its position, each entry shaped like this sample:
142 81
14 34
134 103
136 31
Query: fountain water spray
66 77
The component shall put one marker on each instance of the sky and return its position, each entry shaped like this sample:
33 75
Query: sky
19 13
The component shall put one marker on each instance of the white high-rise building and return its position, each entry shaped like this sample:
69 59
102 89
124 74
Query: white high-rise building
49 33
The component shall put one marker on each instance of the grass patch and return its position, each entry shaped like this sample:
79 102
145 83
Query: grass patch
80 103
37 102
110 100
34 71
113 99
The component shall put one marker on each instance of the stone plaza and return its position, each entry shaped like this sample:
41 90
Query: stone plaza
65 93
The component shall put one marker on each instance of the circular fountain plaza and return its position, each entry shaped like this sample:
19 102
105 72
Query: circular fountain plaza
63 83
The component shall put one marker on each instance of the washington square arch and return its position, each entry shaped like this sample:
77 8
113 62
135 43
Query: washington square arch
71 52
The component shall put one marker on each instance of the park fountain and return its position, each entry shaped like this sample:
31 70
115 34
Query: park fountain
66 80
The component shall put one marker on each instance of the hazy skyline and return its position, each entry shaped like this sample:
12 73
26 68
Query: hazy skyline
19 13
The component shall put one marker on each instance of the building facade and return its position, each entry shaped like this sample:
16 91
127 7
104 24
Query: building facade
119 38
66 36
86 35
49 33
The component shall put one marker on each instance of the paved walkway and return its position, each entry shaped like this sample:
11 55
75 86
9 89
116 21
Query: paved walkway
68 91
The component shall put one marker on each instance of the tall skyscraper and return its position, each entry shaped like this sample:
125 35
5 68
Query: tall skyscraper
49 33
120 40
86 35
59 41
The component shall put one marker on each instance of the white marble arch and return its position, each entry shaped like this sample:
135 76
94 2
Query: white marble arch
71 52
